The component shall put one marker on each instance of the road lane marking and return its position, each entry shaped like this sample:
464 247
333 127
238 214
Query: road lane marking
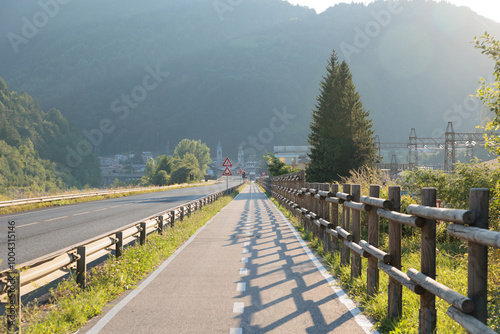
238 307
28 224
81 213
236 331
49 220
241 287
100 210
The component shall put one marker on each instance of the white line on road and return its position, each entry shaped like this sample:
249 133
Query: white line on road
28 224
243 271
238 307
246 244
49 220
236 331
245 250
240 287
81 213
244 259
100 210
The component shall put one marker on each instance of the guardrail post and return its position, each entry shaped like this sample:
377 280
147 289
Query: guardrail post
372 272
427 313
181 217
478 257
119 244
356 232
172 219
335 218
160 225
346 217
13 308
81 266
395 290
189 210
143 233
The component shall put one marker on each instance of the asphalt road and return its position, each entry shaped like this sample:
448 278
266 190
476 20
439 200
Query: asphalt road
43 231
246 271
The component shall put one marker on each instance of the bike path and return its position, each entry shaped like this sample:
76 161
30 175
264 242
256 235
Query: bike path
246 271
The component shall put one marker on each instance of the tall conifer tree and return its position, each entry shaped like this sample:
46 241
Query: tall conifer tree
341 136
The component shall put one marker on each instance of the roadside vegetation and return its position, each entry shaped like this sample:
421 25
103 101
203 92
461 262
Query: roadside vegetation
70 307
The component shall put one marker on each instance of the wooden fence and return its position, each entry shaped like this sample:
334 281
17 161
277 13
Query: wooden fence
34 274
334 216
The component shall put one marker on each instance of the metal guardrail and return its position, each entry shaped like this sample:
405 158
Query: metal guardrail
34 274
334 217
54 198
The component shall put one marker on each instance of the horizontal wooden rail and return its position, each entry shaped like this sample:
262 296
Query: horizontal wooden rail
449 215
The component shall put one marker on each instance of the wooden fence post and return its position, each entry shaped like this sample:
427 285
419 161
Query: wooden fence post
372 272
356 232
119 244
427 313
346 222
478 256
395 290
81 266
335 218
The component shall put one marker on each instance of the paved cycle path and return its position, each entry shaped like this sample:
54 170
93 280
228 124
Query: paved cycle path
246 271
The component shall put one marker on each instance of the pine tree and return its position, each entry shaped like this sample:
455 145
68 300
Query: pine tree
341 136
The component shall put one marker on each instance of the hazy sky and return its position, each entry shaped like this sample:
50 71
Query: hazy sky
487 8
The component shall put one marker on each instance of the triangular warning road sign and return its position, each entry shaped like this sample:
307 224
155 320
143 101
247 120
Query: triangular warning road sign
227 172
227 163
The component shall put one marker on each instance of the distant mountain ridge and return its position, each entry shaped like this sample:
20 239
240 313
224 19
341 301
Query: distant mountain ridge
224 72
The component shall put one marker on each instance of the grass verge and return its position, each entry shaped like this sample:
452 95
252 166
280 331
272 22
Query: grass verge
451 271
33 206
70 307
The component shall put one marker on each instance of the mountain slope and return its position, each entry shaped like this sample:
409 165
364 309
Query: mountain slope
33 147
225 76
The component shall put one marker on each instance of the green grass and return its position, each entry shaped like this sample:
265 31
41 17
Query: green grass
451 264
33 206
71 307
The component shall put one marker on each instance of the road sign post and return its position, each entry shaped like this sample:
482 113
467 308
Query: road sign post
227 172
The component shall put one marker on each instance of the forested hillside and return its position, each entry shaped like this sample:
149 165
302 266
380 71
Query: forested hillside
33 153
161 71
